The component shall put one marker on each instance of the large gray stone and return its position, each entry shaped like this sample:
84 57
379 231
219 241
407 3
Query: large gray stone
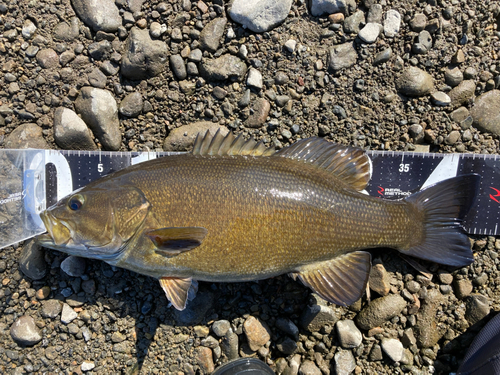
222 68
25 332
131 105
27 135
98 109
260 15
32 260
182 138
486 112
98 14
342 56
143 56
320 7
463 92
380 310
71 132
212 33
316 317
415 82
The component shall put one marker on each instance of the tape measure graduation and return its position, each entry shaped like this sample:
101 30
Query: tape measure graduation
49 175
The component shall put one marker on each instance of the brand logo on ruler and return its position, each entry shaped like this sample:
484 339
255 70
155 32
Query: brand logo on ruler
497 195
380 191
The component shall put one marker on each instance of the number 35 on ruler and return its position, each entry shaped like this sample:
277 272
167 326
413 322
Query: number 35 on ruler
404 168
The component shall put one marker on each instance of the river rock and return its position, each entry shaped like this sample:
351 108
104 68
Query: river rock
261 108
100 15
51 308
392 23
486 112
47 58
212 33
131 105
98 109
317 316
222 68
369 33
68 314
320 7
477 307
71 132
143 56
349 335
260 15
353 23
344 362
393 349
74 266
182 138
67 32
342 56
379 280
32 260
256 332
380 310
463 92
415 82
427 331
26 135
25 332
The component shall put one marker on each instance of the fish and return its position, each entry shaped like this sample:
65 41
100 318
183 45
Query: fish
233 210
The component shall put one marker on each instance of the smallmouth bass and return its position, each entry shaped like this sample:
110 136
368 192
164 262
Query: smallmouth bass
233 210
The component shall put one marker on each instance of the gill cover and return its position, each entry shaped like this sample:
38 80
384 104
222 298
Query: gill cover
96 222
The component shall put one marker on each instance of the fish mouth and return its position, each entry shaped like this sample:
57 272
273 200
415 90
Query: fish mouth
58 234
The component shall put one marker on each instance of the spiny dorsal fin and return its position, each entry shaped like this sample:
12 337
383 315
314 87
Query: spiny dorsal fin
217 144
341 280
349 164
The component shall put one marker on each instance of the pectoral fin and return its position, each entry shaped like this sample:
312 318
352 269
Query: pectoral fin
341 280
173 241
179 290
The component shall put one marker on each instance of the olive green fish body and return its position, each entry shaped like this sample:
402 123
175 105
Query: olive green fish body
233 210
265 216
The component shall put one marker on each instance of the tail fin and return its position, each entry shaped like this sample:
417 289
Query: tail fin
444 205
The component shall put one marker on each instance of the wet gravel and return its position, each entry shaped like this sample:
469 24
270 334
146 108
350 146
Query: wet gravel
135 75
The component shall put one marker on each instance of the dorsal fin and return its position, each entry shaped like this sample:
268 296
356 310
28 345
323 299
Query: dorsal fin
217 144
349 164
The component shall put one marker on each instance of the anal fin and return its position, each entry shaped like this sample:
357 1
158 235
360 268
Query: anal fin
179 290
341 280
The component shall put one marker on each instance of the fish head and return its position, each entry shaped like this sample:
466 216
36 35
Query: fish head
96 222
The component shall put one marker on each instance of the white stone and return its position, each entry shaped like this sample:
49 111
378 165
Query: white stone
254 79
290 45
349 335
392 23
370 32
260 15
440 98
393 348
29 29
87 366
68 314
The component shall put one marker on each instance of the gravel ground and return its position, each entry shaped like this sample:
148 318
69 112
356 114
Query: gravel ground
148 75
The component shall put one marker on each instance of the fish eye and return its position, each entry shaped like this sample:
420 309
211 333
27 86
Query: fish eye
75 203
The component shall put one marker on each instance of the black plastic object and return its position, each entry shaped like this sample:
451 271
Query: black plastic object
244 366
483 356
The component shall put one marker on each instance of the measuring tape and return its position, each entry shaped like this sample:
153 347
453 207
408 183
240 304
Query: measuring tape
49 175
